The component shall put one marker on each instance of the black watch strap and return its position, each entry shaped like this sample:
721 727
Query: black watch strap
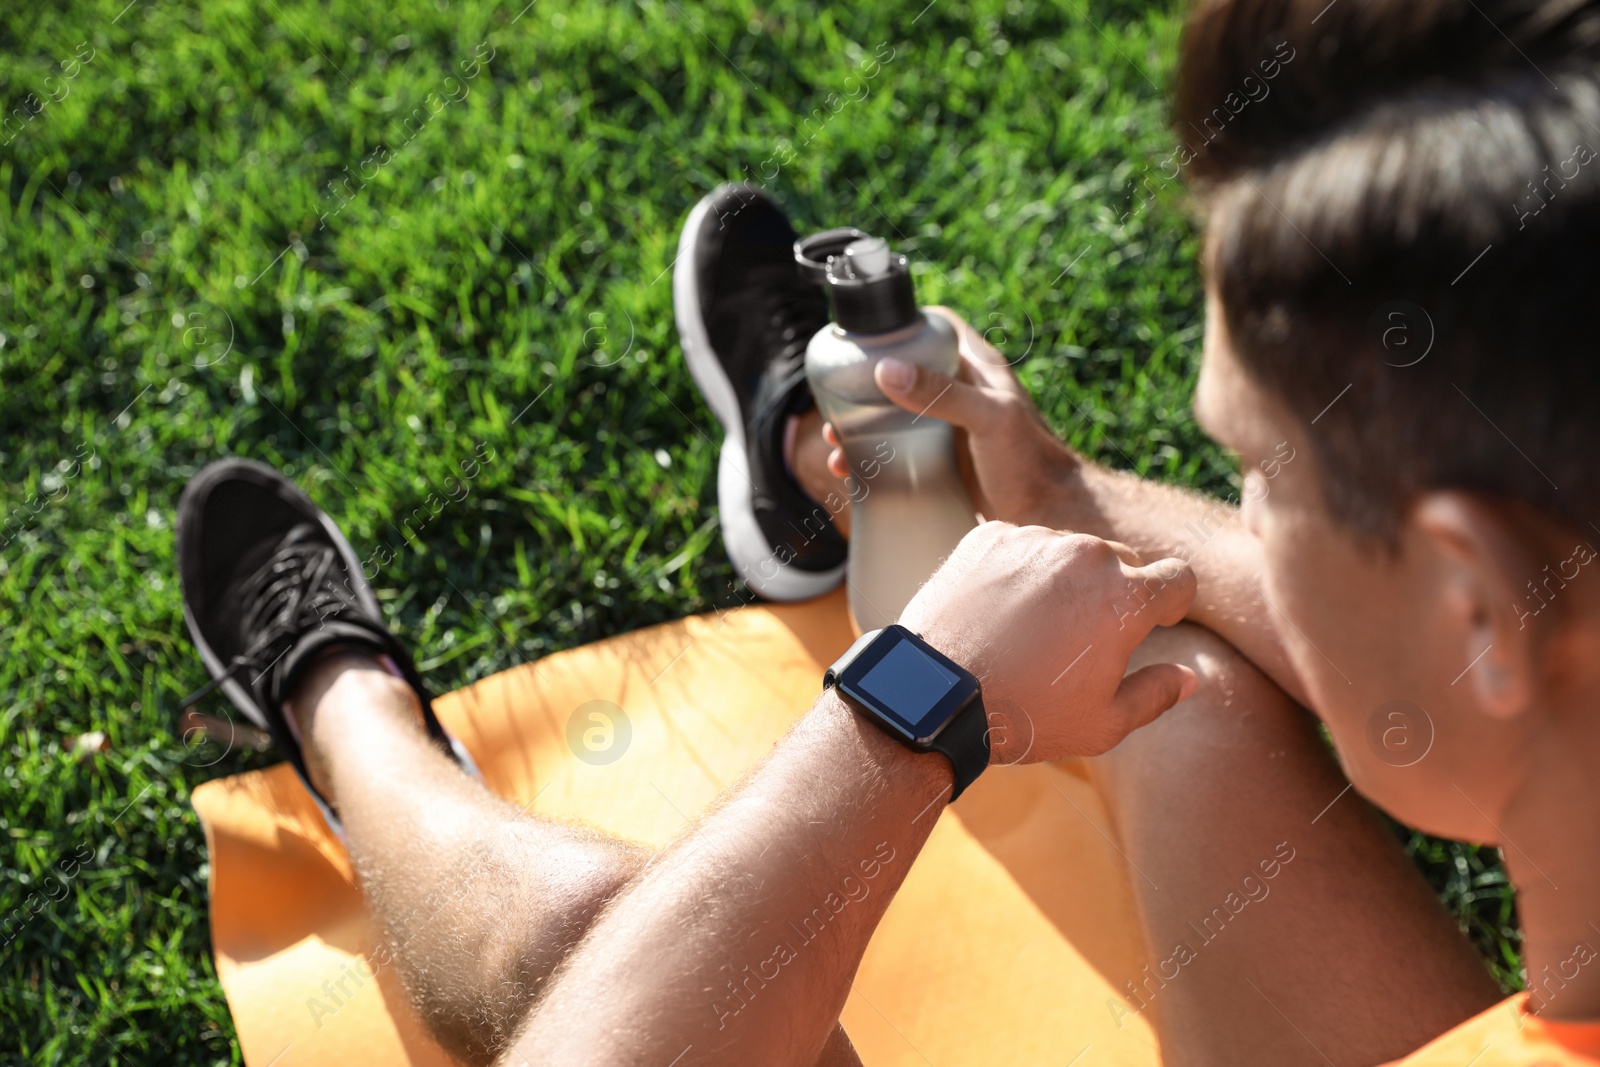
965 742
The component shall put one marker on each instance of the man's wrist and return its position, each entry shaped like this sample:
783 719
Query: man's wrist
1010 729
922 777
1059 502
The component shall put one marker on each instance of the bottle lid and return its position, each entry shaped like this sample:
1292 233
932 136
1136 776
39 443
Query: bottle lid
868 257
868 285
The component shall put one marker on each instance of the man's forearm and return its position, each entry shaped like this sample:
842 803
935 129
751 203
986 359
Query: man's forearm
740 942
1158 521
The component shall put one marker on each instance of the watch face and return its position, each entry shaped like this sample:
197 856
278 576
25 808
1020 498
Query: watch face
908 684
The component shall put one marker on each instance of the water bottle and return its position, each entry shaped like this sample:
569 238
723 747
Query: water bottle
908 505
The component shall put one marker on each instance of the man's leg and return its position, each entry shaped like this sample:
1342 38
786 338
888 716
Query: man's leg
1284 923
478 901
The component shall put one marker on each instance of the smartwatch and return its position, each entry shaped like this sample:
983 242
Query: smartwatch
918 696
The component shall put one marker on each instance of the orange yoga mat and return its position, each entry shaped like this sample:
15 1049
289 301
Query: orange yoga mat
1008 944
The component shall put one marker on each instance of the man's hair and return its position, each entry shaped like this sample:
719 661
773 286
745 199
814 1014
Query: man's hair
1412 173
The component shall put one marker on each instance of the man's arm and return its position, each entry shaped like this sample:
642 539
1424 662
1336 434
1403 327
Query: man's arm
1157 521
1024 474
739 944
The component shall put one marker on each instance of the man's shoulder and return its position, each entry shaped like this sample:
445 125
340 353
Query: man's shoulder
1508 1036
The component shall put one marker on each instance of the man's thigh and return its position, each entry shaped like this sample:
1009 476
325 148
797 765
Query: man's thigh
1283 922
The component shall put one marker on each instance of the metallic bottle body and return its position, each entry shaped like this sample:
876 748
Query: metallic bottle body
909 507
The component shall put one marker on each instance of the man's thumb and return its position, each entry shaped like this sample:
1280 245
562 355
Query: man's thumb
927 392
1149 691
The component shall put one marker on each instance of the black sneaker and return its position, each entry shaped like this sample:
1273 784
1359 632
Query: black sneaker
268 582
745 318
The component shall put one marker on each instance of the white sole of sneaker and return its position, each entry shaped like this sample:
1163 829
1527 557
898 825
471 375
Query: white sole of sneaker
753 557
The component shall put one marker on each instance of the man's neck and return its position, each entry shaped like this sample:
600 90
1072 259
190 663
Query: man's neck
1551 843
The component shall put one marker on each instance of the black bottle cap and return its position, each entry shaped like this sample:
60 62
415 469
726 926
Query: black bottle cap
869 286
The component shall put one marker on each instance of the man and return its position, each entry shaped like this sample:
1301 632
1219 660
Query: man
1429 545
1426 544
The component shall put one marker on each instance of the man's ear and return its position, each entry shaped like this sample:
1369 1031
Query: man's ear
1485 559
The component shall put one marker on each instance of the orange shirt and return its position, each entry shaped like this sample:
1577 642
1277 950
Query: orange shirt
1507 1036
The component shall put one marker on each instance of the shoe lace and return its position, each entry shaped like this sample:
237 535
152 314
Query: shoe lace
290 593
793 313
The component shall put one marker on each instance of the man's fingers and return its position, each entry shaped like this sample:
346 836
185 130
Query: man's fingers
927 392
1167 587
1124 553
1149 691
981 362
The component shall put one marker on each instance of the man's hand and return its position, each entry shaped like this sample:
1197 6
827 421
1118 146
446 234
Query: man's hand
1016 467
1047 621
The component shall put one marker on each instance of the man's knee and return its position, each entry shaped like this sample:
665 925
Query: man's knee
1226 676
1235 704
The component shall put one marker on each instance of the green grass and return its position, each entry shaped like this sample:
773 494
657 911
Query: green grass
506 257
